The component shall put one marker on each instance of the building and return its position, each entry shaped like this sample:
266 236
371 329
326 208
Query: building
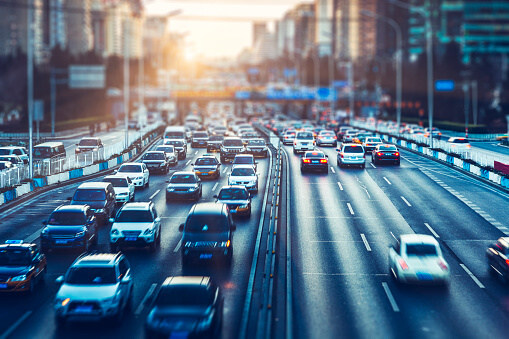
98 18
78 20
264 49
417 25
155 36
259 30
323 28
304 28
285 34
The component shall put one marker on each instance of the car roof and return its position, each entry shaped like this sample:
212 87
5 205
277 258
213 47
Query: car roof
183 173
96 259
93 185
232 138
12 147
244 166
16 246
71 208
156 152
418 239
208 208
234 186
90 138
137 206
186 281
50 144
244 156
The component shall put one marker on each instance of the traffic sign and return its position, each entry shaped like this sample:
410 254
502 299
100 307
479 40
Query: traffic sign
444 85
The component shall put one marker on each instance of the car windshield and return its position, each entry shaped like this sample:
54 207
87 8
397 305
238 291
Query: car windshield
233 142
42 152
459 141
89 195
200 135
184 296
15 257
88 142
326 134
205 161
352 149
256 143
12 159
183 179
233 194
388 148
117 182
66 218
206 224
243 160
375 140
421 249
174 135
134 216
153 156
305 136
92 276
175 143
130 168
216 138
243 172
316 155
167 149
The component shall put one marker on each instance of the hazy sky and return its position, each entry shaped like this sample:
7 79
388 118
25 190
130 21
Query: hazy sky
229 29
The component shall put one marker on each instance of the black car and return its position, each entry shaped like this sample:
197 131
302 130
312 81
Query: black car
156 161
257 147
230 148
207 234
385 153
179 146
498 259
71 226
314 160
190 307
184 185
214 143
199 139
100 196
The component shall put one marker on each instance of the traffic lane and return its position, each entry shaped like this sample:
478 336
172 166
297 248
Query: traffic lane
330 264
108 138
492 146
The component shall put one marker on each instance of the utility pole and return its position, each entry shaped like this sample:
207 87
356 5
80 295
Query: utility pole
126 83
30 84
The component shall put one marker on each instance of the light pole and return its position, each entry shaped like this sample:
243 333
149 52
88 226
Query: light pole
399 52
126 84
30 84
429 57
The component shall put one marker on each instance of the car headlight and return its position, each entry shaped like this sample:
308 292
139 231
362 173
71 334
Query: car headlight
123 193
191 189
170 189
188 244
77 150
44 232
248 148
148 231
61 302
19 278
138 178
114 231
80 234
95 149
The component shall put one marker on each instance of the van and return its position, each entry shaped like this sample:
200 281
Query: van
100 196
175 133
49 150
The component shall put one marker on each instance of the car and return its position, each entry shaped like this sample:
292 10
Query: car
342 131
257 147
498 259
133 124
230 148
207 234
199 139
184 185
249 135
326 138
15 160
221 130
349 135
89 145
22 267
178 133
138 172
304 141
207 166
244 175
436 132
237 198
351 154
123 187
49 151
385 153
360 137
96 286
370 143
194 304
244 159
156 161
136 224
458 144
418 259
171 153
70 226
15 150
314 160
214 143
100 196
288 137
180 147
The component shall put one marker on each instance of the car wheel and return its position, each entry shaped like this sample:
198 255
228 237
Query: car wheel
148 183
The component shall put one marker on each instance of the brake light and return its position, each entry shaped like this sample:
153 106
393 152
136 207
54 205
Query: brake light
396 154
295 143
507 262
323 161
342 155
335 137
468 146
403 264
378 153
307 161
443 266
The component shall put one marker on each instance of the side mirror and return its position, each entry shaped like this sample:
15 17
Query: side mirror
69 198
115 171
234 227
59 280
326 156
77 144
111 220
192 164
158 219
215 196
256 162
44 222
181 227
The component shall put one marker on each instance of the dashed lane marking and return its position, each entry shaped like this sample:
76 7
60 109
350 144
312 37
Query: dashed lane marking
372 165
387 181
215 186
153 195
365 242
144 301
432 230
188 162
340 186
406 201
394 305
350 208
474 278
332 169
225 169
13 327
177 248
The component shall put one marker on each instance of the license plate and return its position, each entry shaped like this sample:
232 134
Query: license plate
83 309
424 276
205 256
131 238
60 241
3 286
304 143
353 158
314 162
204 174
388 154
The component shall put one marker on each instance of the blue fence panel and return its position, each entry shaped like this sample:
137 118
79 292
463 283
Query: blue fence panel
9 195
466 166
450 159
76 173
504 182
119 160
103 166
485 173
39 182
435 154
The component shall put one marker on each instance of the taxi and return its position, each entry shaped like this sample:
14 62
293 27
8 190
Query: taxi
22 266
207 166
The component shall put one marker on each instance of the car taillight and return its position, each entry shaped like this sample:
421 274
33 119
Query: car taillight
403 264
307 161
342 155
323 161
335 137
378 153
468 146
295 143
396 154
442 265
507 262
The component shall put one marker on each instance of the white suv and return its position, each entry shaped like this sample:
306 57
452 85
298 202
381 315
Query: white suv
135 225
96 286
304 141
138 172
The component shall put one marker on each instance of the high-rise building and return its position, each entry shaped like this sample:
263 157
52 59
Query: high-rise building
264 49
259 30
155 36
304 28
79 26
324 31
285 34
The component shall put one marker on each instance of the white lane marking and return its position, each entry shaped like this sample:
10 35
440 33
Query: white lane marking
33 237
406 201
177 248
432 230
196 152
365 242
188 162
350 208
340 187
153 195
142 304
372 165
215 186
332 169
225 169
474 278
395 307
13 327
387 181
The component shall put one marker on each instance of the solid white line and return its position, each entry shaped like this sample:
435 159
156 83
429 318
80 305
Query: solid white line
153 195
196 152
215 186
13 327
188 162
474 278
350 208
289 288
332 169
142 304
33 237
178 246
406 201
365 242
387 181
395 307
225 169
432 230
340 187
372 165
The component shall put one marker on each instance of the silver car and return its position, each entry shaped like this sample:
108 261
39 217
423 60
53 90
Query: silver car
351 154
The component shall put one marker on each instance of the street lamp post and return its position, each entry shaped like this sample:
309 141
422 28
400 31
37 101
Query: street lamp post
30 84
126 85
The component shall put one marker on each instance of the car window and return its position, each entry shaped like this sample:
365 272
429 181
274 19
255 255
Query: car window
134 216
206 224
387 148
233 194
421 249
305 136
66 218
216 138
243 172
89 195
117 182
243 160
88 142
256 143
183 179
175 143
233 142
153 156
352 149
200 135
92 276
167 149
205 161
15 257
4 151
316 155
130 168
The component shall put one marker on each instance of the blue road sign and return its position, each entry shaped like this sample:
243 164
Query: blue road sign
444 85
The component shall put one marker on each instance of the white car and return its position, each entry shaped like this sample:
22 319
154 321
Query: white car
138 172
458 144
171 153
244 175
351 154
95 287
417 258
136 225
15 150
370 143
303 141
123 187
350 135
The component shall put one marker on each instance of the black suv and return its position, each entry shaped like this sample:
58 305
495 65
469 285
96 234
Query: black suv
231 147
100 196
70 226
207 234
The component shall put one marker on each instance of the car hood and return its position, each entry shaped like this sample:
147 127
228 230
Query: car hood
87 147
233 202
119 190
63 229
88 292
132 226
93 204
205 168
13 271
153 161
170 185
215 142
241 178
